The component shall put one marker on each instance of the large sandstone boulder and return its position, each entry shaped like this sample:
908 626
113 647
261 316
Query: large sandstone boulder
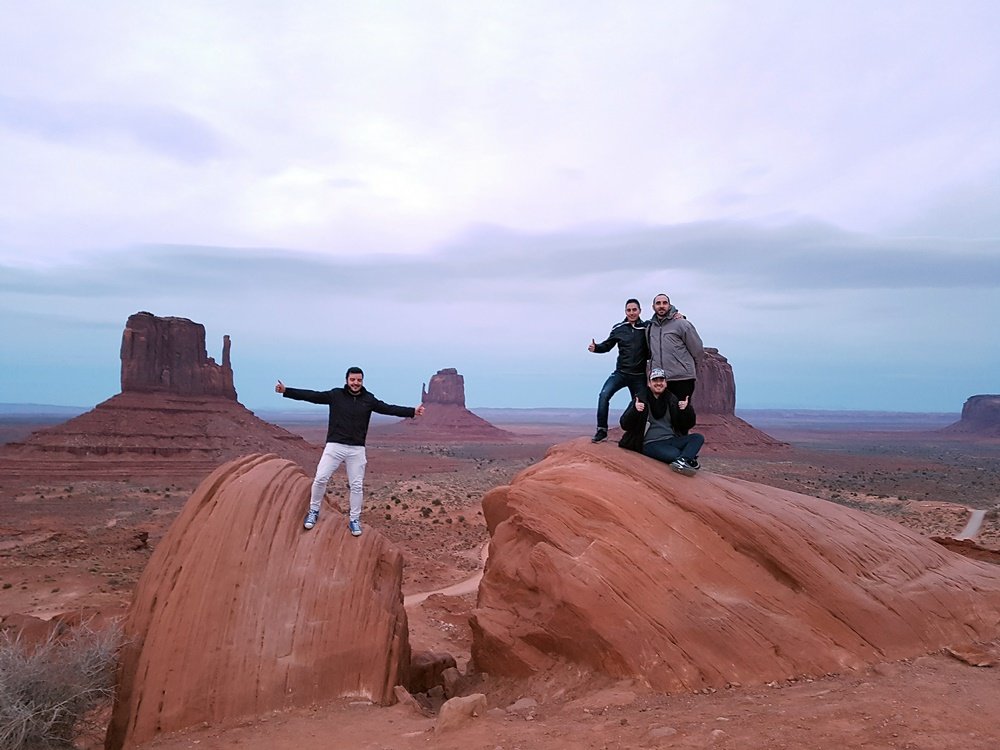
240 611
605 559
980 416
168 355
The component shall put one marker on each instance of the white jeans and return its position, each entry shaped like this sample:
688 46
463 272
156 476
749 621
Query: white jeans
354 459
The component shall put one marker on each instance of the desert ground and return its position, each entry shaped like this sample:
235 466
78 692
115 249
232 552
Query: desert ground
72 541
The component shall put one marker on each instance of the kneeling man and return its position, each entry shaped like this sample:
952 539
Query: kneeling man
658 427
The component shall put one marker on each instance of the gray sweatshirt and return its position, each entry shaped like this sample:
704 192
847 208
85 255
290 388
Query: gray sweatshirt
675 347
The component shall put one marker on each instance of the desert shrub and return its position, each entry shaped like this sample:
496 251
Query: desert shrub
49 692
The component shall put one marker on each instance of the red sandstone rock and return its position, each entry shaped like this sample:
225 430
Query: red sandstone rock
445 417
240 611
980 416
186 419
716 389
446 387
168 355
606 559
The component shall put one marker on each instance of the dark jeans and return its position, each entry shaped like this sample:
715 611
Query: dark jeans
636 385
681 388
679 446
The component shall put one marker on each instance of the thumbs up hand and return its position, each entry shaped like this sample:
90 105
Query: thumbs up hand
593 346
639 406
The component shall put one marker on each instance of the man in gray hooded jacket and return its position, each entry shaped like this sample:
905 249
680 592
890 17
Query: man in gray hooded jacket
674 347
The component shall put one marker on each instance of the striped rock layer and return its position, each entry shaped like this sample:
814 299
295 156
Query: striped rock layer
607 560
240 611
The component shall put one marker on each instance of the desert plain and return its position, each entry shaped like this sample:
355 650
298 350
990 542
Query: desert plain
73 539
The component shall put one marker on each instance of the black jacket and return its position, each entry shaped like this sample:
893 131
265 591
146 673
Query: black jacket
633 351
349 414
634 422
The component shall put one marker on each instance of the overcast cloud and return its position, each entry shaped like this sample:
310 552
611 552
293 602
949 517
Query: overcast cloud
410 186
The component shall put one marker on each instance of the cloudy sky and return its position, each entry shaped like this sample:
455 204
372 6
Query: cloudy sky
417 185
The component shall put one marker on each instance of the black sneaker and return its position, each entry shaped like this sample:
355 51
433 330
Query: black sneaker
681 466
693 463
600 436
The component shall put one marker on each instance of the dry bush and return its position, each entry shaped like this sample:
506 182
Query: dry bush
48 692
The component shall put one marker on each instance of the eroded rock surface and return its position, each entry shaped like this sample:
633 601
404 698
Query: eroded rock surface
168 355
606 559
240 611
716 389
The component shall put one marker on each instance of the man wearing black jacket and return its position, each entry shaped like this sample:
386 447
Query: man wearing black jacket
658 425
351 410
630 371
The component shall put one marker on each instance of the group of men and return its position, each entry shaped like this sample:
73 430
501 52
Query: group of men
658 362
665 350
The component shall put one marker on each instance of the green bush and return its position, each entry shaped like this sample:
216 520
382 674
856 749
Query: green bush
49 692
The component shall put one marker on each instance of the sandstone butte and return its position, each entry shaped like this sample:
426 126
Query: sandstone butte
177 412
240 611
980 416
608 561
715 402
445 417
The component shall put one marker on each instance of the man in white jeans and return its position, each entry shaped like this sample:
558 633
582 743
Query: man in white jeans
351 410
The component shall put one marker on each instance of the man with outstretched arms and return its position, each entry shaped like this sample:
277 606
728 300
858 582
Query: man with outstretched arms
674 347
351 410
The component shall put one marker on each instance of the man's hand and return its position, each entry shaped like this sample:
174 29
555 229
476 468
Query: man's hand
639 406
418 411
683 404
678 315
279 388
593 346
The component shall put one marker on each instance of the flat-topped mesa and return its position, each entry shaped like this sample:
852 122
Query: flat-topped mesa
445 387
167 355
980 416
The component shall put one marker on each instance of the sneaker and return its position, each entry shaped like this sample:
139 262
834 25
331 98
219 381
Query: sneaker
311 518
681 466
600 436
693 463
355 527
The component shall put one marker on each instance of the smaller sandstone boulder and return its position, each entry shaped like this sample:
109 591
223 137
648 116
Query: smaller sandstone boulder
460 711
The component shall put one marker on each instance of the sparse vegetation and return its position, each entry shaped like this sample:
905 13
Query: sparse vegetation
49 692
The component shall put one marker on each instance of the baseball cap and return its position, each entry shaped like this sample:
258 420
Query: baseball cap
657 373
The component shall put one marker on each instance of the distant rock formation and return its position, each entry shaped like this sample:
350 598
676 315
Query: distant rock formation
714 401
445 417
716 389
177 412
980 416
446 387
605 560
167 355
240 612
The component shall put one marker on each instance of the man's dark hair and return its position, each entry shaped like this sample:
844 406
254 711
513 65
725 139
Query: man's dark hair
661 294
354 371
630 300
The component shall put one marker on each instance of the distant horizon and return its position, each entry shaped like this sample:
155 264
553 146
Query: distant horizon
11 407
